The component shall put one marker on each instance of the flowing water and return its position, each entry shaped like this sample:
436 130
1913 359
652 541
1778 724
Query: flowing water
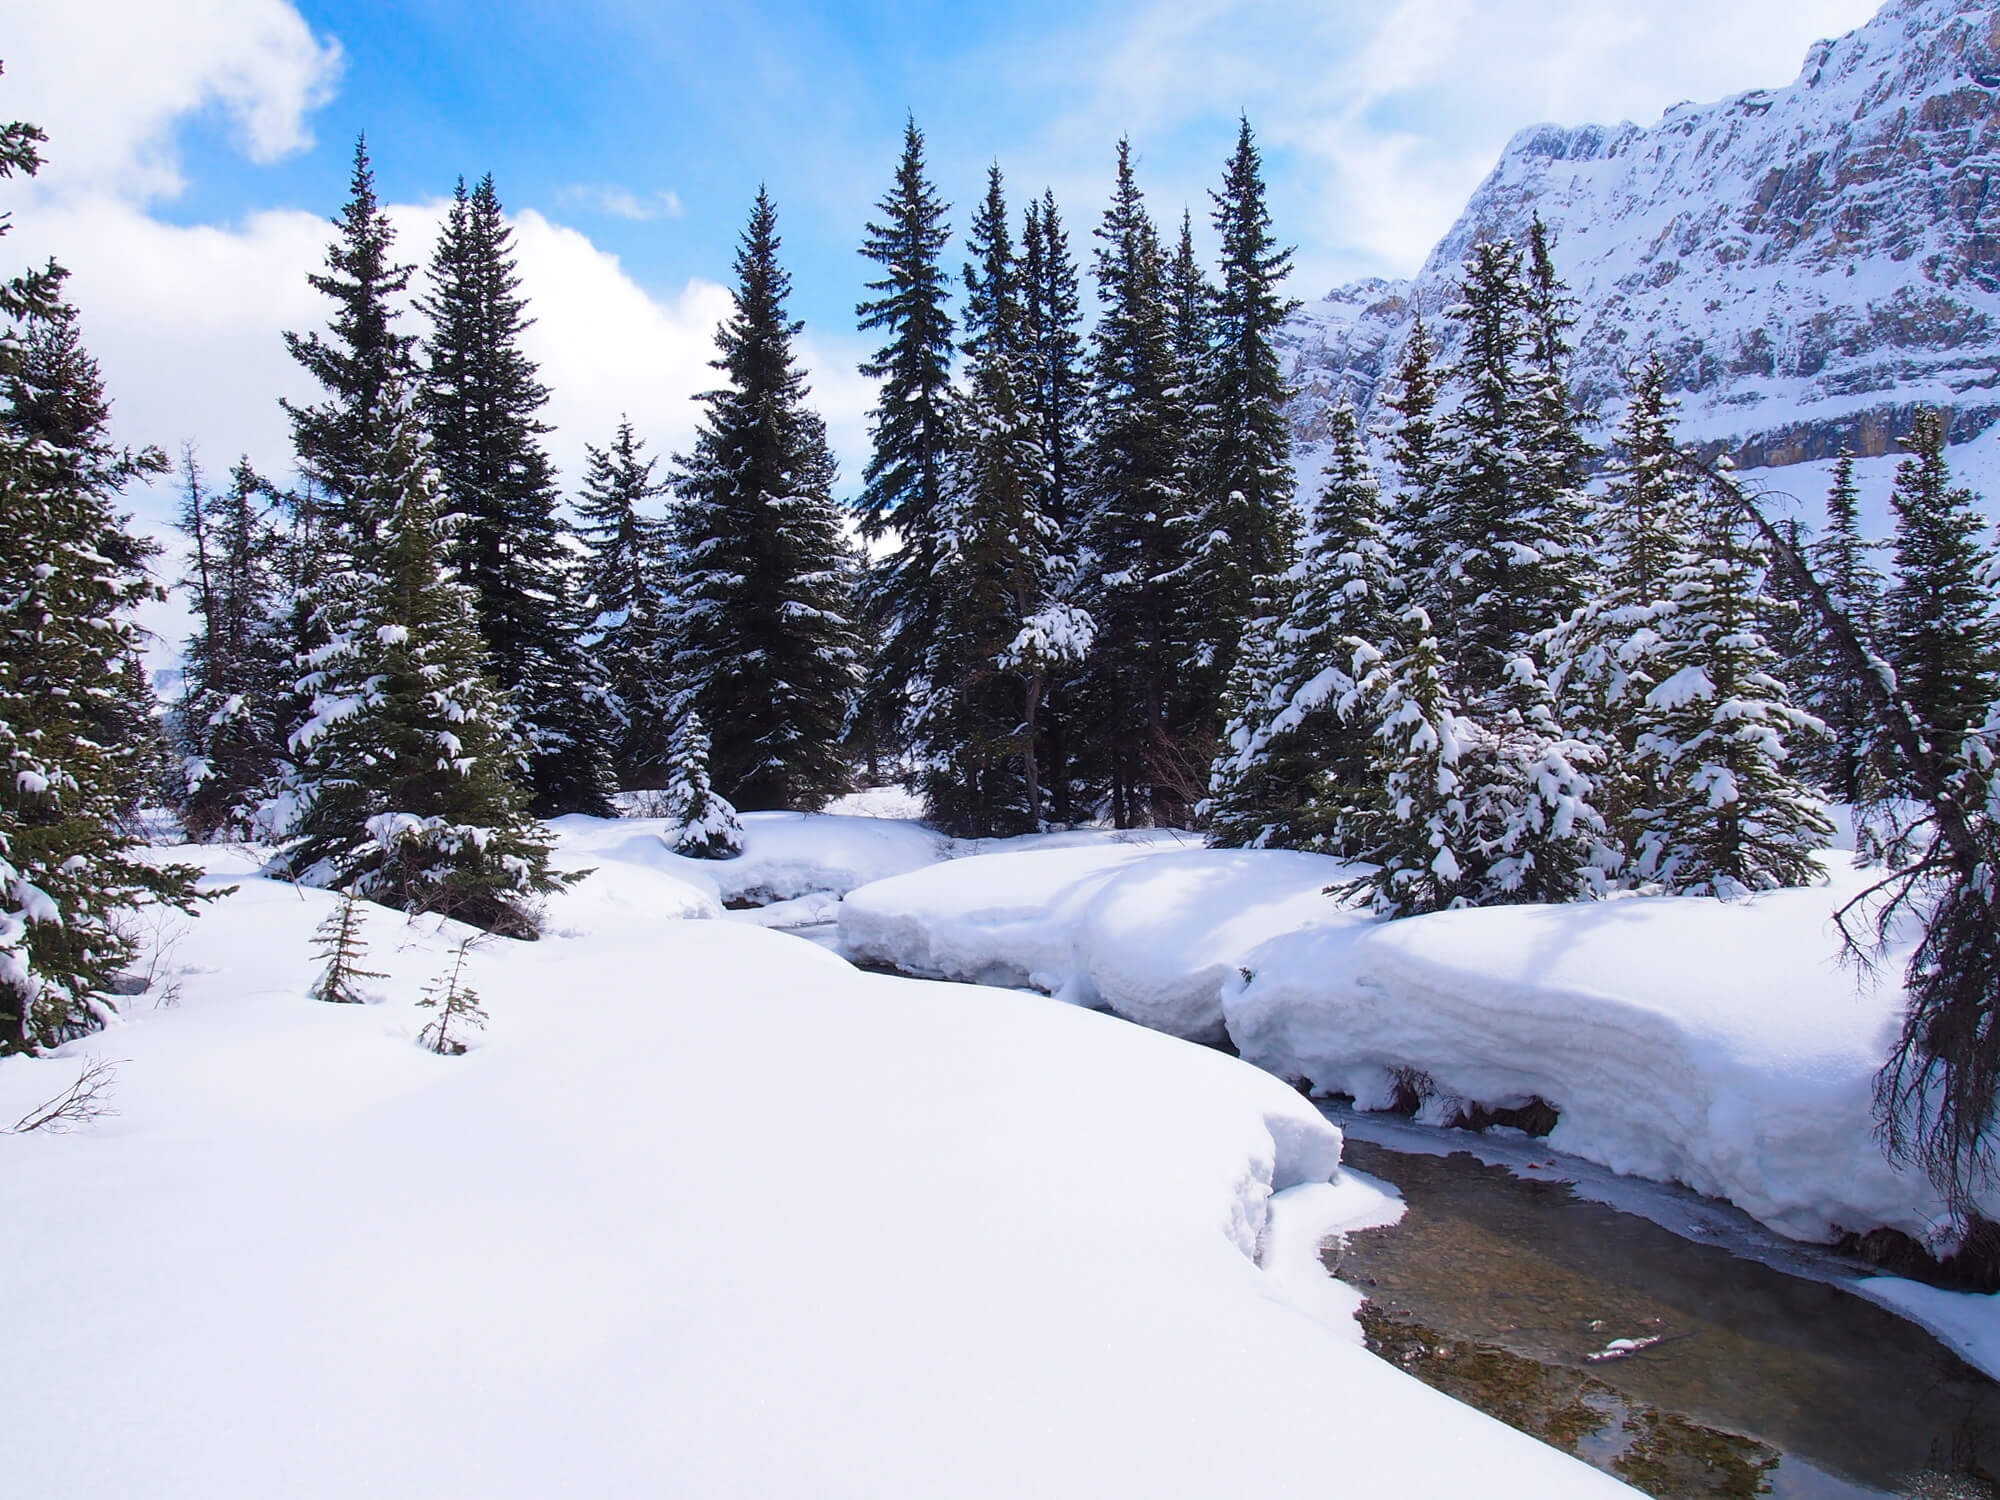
1684 1368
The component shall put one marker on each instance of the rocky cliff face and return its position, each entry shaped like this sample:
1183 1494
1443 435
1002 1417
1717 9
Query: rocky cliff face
1814 261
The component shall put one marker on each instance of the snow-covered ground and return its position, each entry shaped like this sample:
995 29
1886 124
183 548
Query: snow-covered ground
705 1211
1722 1046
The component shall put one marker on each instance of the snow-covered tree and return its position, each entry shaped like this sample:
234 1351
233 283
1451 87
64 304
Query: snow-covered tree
1731 817
1847 761
1133 700
1247 530
768 654
410 775
629 589
481 399
1418 835
701 824
1943 614
907 476
237 674
994 567
70 573
1294 761
1415 514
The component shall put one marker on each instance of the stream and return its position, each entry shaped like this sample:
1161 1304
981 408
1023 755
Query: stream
1662 1336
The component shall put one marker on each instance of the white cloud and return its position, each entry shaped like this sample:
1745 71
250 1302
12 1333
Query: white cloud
110 80
623 203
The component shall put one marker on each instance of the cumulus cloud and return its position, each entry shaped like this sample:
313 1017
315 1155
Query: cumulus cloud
150 66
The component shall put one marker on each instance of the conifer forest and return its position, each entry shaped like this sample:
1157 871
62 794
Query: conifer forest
1465 729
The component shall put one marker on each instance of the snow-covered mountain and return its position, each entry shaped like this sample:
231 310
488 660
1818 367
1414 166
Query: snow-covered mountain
1814 261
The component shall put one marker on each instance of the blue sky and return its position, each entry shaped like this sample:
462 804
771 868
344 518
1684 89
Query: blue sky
192 175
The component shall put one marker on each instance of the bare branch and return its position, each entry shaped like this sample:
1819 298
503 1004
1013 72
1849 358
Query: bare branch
83 1101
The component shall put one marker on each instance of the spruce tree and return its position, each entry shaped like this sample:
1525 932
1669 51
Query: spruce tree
1247 530
905 481
628 583
236 682
1943 622
1731 818
701 824
70 574
1136 528
1296 759
769 655
457 1006
411 764
1848 760
1415 516
973 720
339 940
1418 835
1053 311
481 399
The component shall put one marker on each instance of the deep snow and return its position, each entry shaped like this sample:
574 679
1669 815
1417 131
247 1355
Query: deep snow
705 1211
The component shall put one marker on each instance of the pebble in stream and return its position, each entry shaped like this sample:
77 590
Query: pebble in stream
1712 1375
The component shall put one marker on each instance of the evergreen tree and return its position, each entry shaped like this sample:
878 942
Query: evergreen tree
1296 759
457 1006
1508 521
972 717
1608 655
69 576
481 398
1136 527
702 825
1943 623
339 940
237 678
769 656
1414 450
357 364
1053 311
410 763
1247 532
629 585
908 472
1418 836
1731 819
1847 761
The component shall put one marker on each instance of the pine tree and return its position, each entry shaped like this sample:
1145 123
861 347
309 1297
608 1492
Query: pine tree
913 442
629 585
702 825
457 1006
237 678
69 576
1418 836
338 939
481 398
1847 761
769 654
1943 623
1415 517
972 718
359 362
1732 819
410 763
1296 760
1607 656
1248 531
1136 528
1053 311
1507 569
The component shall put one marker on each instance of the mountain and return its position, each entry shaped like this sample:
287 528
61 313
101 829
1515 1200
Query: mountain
1814 261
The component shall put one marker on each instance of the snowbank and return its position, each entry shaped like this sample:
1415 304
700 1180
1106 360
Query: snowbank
787 854
1715 1044
1151 931
704 1212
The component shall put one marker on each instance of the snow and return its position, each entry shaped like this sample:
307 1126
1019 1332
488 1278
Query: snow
1148 932
704 1211
790 854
